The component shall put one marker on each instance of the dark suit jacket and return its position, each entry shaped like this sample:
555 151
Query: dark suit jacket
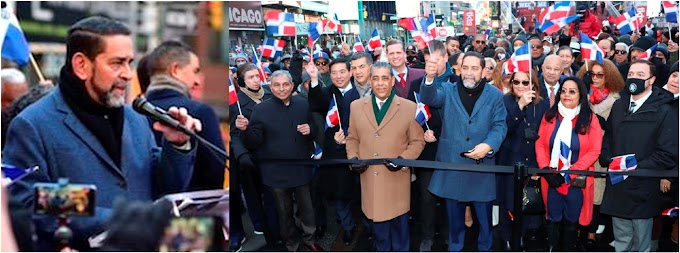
208 169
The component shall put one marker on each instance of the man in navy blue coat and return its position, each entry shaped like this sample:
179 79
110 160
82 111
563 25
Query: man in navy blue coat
175 71
83 131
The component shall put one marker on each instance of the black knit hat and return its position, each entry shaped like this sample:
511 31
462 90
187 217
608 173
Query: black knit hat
674 68
643 43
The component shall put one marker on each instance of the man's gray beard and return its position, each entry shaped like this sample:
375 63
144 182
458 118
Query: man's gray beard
113 101
469 84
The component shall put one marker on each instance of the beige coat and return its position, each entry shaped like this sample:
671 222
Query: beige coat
384 194
603 109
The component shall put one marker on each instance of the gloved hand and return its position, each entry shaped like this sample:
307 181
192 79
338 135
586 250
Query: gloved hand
357 167
393 167
245 162
554 180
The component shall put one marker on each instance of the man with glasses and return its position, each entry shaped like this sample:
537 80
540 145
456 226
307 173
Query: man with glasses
479 43
321 61
643 124
537 55
549 82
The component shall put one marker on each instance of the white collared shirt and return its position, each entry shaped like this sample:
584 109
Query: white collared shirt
396 74
639 102
377 101
346 89
547 88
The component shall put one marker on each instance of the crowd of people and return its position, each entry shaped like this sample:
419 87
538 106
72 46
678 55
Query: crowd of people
82 129
565 112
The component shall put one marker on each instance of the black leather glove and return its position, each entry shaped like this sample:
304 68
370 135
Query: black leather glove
554 180
358 168
245 162
393 167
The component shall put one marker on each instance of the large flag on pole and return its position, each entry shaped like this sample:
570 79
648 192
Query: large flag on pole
12 40
590 50
671 11
627 22
315 31
272 47
280 23
554 25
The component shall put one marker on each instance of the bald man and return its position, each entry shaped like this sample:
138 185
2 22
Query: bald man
14 85
549 82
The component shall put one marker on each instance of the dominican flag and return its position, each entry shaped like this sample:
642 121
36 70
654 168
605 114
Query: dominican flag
671 212
333 115
334 24
647 54
487 33
233 98
358 47
374 42
12 40
565 160
671 11
315 31
280 23
429 27
272 47
555 12
12 174
554 25
520 61
408 24
237 49
422 112
621 164
627 22
318 152
260 70
590 50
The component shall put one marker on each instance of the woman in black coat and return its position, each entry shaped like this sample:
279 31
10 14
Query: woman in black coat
525 109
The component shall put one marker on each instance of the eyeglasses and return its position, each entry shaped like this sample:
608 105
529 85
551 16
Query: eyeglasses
569 91
523 82
598 75
620 51
320 63
480 41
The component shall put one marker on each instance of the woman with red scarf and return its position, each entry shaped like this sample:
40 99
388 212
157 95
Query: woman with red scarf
570 138
605 84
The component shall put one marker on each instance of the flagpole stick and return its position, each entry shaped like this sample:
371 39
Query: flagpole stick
339 119
586 65
238 104
41 77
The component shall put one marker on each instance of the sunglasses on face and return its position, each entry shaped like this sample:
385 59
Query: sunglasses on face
489 68
480 41
598 75
570 91
320 63
620 51
523 82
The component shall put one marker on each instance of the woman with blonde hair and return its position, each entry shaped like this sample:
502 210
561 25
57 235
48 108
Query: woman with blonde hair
500 81
605 83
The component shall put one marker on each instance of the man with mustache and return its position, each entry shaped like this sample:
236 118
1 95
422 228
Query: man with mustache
83 131
473 125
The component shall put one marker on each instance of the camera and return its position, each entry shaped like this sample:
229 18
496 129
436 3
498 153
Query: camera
193 234
63 199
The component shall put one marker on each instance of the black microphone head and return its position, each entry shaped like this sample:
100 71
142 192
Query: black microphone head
138 104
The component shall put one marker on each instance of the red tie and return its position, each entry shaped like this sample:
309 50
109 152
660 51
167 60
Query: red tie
402 81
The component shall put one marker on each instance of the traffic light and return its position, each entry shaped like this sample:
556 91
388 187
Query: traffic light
216 14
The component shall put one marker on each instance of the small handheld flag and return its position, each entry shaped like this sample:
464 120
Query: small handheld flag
374 42
422 112
621 164
333 115
647 54
11 174
590 50
12 40
358 47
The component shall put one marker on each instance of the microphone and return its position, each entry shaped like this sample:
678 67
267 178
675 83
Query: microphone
144 107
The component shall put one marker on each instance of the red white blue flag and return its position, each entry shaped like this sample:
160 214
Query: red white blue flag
621 164
333 115
280 23
671 11
627 22
272 47
557 11
233 98
315 31
590 50
334 24
554 25
12 40
422 112
374 42
671 212
647 54
358 47
520 61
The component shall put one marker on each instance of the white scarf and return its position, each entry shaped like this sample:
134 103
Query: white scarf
564 131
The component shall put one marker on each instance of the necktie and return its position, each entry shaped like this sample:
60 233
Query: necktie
632 107
552 96
380 105
402 81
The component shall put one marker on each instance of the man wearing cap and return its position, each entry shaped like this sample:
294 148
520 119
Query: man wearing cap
589 24
285 61
640 46
411 55
321 61
403 75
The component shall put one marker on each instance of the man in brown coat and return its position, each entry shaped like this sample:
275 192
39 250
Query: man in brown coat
383 125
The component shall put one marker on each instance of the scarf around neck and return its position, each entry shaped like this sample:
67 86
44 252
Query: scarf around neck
596 95
255 96
563 137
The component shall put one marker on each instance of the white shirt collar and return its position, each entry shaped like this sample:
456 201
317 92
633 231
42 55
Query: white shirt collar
547 87
665 87
640 102
377 101
346 89
396 74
